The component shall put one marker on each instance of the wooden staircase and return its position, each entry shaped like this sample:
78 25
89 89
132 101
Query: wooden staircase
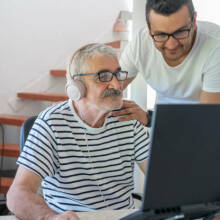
58 73
13 150
15 120
52 97
10 150
5 183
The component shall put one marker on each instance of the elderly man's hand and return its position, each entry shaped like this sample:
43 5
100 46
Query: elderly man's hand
131 111
68 215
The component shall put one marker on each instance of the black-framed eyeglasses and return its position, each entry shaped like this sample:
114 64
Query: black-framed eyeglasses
178 35
106 75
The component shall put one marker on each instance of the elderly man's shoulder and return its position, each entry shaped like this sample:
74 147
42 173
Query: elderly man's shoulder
209 29
59 110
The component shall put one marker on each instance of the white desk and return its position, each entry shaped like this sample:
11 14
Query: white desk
96 215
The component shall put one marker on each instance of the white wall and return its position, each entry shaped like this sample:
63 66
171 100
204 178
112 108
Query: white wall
208 10
39 35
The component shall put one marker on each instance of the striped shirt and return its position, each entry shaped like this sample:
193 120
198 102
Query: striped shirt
84 168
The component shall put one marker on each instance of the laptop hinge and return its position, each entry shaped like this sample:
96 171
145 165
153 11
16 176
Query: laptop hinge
162 213
184 212
200 210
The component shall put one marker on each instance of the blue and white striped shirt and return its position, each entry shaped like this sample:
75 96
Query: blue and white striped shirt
82 175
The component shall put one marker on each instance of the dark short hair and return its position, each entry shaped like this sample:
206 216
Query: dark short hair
168 7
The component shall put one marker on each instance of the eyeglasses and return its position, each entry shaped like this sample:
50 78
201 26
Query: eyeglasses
178 35
106 76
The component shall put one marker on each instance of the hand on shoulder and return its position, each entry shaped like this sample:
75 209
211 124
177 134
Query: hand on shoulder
130 111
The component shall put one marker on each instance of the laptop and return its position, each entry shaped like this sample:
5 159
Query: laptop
182 179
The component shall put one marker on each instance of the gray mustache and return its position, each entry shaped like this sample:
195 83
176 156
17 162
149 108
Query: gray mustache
111 92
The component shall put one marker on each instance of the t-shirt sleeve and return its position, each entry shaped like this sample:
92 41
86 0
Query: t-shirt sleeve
211 77
141 142
127 60
39 153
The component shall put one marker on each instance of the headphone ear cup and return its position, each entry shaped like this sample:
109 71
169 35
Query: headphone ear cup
75 90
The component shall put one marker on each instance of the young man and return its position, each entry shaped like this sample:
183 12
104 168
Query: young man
84 156
177 55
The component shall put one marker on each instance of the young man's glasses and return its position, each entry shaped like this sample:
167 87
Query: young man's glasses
178 35
106 75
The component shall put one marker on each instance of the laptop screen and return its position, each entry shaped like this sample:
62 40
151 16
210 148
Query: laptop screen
184 166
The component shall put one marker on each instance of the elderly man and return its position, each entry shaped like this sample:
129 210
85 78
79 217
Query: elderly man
83 155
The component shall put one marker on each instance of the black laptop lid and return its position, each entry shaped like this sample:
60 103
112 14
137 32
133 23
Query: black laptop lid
184 163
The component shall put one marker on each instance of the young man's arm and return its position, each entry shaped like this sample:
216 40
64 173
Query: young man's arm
210 93
210 97
142 166
127 81
23 201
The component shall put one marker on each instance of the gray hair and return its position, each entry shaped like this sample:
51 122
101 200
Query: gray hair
78 63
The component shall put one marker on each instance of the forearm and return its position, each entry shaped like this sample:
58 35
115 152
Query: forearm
28 205
209 97
142 166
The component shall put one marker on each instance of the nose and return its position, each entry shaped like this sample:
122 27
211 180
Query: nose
115 84
171 43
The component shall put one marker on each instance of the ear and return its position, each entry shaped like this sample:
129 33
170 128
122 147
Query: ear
195 19
148 27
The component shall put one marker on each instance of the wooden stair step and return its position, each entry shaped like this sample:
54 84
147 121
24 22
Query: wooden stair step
53 97
58 73
12 119
5 184
114 44
10 150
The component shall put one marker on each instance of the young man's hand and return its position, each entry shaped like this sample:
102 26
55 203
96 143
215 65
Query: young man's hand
131 111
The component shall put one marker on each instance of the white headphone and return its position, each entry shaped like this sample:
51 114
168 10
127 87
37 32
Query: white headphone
75 89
